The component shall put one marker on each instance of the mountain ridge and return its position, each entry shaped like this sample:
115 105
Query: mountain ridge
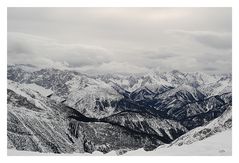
146 110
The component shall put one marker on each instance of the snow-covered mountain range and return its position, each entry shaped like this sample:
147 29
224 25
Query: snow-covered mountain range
63 111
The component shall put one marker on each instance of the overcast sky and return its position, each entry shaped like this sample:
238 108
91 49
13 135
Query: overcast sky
122 40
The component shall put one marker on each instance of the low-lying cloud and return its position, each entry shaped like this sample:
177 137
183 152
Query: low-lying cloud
208 38
121 40
45 52
23 48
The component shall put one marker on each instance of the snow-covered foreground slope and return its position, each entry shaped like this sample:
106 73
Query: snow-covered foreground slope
215 138
216 145
220 124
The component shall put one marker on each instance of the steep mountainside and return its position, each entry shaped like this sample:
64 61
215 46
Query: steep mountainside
214 138
62 111
37 123
220 124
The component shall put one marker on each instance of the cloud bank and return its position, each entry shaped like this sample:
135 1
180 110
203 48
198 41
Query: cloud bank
121 40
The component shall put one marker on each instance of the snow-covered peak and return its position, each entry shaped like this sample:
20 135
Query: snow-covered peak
24 67
29 88
32 92
185 89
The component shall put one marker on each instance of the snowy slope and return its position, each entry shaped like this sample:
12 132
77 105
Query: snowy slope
212 139
221 86
212 146
91 97
222 123
165 129
34 124
31 92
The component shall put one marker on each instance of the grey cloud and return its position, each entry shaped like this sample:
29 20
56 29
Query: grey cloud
210 69
159 55
212 57
218 40
23 47
220 61
221 41
29 49
121 39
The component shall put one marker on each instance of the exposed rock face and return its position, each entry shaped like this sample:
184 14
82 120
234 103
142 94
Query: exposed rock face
59 111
